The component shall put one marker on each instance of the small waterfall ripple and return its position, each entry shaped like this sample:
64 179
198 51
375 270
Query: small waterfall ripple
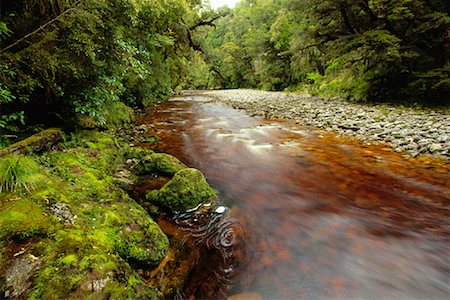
219 236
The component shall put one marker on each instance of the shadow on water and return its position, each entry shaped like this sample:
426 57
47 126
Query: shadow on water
324 218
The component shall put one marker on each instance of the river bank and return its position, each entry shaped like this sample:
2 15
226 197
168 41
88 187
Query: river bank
69 228
406 130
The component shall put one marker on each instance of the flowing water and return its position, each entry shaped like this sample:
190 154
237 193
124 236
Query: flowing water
324 218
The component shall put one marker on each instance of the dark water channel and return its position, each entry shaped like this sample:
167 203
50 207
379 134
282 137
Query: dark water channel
324 218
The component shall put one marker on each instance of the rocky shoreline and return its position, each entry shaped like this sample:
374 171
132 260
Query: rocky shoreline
406 130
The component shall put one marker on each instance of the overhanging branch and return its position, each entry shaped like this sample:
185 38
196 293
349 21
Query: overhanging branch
40 28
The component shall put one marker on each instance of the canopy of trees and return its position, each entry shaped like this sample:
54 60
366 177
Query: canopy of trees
358 49
62 59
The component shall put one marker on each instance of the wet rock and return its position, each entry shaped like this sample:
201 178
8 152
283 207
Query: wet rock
123 177
187 189
141 128
160 163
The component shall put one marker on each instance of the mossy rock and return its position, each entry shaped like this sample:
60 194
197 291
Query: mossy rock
138 152
144 245
23 219
94 275
160 163
110 238
187 189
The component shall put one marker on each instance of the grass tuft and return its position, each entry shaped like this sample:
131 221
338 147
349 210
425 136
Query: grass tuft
16 174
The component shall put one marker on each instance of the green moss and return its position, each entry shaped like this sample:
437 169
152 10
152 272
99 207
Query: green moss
110 233
184 191
69 259
138 152
97 140
23 219
79 171
160 163
35 142
145 243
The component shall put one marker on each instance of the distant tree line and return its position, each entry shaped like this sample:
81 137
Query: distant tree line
383 50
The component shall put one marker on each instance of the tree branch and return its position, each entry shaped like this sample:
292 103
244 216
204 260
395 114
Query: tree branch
40 27
344 14
209 22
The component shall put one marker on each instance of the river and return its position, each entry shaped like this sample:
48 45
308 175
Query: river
324 217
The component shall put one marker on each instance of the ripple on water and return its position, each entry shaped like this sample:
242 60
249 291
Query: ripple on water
220 237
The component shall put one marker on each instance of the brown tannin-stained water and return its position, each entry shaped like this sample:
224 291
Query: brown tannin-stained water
324 218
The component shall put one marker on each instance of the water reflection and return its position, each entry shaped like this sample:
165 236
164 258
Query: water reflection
326 218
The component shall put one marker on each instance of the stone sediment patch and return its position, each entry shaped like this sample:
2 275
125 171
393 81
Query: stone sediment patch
406 130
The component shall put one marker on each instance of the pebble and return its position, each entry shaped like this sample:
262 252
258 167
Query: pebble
403 129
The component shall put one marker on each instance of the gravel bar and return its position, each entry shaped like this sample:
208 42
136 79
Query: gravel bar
405 130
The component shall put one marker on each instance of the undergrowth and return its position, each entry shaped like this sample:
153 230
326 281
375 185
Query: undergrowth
16 174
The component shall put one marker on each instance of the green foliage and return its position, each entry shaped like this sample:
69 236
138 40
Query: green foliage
4 31
362 50
90 58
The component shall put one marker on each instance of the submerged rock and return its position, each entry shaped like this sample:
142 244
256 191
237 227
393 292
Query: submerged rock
159 163
187 189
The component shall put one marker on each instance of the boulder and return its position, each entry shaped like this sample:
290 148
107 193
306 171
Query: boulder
160 163
187 189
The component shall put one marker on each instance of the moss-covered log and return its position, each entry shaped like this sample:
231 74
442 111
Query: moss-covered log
34 143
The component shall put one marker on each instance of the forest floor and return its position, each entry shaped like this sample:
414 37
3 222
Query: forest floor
406 130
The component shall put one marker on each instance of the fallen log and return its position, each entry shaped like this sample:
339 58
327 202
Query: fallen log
34 143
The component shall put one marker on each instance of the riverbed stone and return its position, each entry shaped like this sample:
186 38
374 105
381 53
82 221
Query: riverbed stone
435 147
368 123
187 189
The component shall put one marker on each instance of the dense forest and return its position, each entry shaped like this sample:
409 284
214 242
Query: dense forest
72 61
85 61
363 50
